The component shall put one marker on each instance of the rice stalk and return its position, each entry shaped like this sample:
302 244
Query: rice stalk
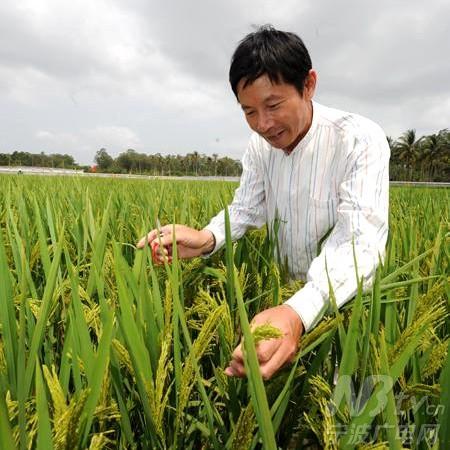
44 435
159 312
199 346
123 356
66 427
323 425
431 314
100 441
56 393
436 359
242 434
6 435
444 411
265 331
162 382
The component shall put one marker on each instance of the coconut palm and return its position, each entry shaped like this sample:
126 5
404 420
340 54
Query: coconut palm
407 150
434 155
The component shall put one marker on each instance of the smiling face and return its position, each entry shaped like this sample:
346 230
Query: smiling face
278 112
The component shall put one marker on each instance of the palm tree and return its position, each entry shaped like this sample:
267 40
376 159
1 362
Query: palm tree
407 150
429 150
195 161
435 151
215 156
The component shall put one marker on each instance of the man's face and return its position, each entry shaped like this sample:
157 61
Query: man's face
278 112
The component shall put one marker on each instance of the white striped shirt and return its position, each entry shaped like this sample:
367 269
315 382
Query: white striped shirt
336 178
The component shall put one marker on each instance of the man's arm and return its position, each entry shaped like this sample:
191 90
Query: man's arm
362 225
360 234
248 208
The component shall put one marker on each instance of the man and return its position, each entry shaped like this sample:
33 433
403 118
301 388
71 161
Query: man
317 169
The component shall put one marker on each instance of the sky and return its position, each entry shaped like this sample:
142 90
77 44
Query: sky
80 75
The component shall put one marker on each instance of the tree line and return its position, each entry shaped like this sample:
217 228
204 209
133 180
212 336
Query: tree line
413 158
56 160
192 164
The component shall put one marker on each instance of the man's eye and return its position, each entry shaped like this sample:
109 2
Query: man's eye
249 113
273 106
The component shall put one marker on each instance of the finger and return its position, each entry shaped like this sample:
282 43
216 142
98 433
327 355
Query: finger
163 238
237 368
147 239
236 365
282 356
237 355
266 349
166 229
161 254
272 357
160 249
155 255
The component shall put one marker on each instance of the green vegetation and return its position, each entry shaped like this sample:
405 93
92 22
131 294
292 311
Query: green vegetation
38 160
192 164
412 159
100 349
132 162
420 159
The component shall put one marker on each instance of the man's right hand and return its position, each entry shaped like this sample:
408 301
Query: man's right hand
190 242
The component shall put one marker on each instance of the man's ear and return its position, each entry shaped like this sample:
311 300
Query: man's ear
310 84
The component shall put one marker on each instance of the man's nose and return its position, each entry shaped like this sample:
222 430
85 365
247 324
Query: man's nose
264 123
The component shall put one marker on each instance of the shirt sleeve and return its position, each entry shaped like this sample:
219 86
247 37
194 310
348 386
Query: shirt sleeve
248 208
360 234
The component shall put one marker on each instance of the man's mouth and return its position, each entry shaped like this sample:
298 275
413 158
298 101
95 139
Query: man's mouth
275 136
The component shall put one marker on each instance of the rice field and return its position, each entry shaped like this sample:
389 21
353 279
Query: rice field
101 349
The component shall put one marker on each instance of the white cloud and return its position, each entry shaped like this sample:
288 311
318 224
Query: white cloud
85 143
154 74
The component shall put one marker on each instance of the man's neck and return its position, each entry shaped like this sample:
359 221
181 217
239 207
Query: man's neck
288 150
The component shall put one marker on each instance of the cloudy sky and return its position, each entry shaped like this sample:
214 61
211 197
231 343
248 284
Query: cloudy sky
79 75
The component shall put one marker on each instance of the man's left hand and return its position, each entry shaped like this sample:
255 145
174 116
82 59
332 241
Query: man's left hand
272 353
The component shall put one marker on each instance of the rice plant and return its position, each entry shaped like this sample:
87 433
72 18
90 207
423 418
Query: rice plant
99 348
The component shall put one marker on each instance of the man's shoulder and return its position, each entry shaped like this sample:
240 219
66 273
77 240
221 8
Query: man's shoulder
349 124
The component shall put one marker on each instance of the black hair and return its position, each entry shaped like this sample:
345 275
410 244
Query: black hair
280 55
